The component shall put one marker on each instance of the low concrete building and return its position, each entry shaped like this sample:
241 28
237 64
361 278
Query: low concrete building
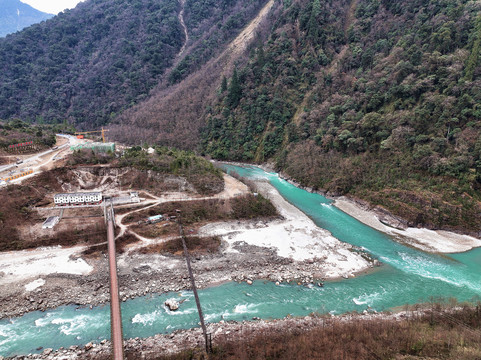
90 198
50 222
134 197
155 219
95 146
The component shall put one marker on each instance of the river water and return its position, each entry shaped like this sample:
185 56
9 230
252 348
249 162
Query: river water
407 276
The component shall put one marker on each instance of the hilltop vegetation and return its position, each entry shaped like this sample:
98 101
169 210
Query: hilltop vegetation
155 168
377 99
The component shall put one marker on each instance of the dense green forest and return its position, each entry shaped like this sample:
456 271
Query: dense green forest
89 64
377 99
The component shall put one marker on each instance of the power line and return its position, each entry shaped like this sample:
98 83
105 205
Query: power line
208 344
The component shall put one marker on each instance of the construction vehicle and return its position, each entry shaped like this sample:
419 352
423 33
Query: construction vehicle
80 135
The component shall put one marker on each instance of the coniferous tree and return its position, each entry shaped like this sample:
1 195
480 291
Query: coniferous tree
235 90
261 57
313 25
475 51
223 86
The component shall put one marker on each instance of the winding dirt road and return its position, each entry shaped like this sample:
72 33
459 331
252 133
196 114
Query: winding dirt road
232 188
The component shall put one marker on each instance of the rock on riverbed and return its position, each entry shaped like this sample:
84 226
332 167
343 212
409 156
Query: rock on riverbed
172 304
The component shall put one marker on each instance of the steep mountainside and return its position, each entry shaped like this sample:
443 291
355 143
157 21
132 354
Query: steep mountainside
174 114
15 15
91 63
378 99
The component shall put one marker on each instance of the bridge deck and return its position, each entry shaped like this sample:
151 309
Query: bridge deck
115 314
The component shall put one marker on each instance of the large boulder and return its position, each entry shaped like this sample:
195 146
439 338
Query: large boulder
172 304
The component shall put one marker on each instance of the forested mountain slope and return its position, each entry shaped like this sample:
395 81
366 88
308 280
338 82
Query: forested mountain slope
378 99
374 98
15 15
89 64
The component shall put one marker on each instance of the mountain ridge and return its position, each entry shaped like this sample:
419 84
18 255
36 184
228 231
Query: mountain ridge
16 15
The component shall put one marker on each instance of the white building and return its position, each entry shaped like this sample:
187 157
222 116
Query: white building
61 199
77 198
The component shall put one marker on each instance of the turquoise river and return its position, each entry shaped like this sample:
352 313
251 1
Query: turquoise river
407 276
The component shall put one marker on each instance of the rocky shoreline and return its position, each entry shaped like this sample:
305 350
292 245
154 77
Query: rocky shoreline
223 331
144 274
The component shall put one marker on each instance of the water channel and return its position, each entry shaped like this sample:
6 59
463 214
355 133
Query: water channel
407 276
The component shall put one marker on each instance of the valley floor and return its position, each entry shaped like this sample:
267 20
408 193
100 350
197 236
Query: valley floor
288 248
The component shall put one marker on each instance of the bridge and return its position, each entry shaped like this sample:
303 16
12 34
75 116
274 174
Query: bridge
115 312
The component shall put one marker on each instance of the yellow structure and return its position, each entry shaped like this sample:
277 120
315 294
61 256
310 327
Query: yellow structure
103 131
19 175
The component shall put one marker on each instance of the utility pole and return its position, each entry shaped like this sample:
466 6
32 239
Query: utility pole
192 281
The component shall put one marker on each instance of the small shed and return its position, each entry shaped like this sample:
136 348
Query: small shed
50 222
155 219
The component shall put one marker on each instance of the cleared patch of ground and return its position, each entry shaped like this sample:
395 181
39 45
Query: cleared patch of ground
195 245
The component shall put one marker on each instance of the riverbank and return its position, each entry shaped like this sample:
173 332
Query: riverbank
179 340
294 237
228 334
434 241
438 241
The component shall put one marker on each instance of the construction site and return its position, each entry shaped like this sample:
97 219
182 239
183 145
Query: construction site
101 210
